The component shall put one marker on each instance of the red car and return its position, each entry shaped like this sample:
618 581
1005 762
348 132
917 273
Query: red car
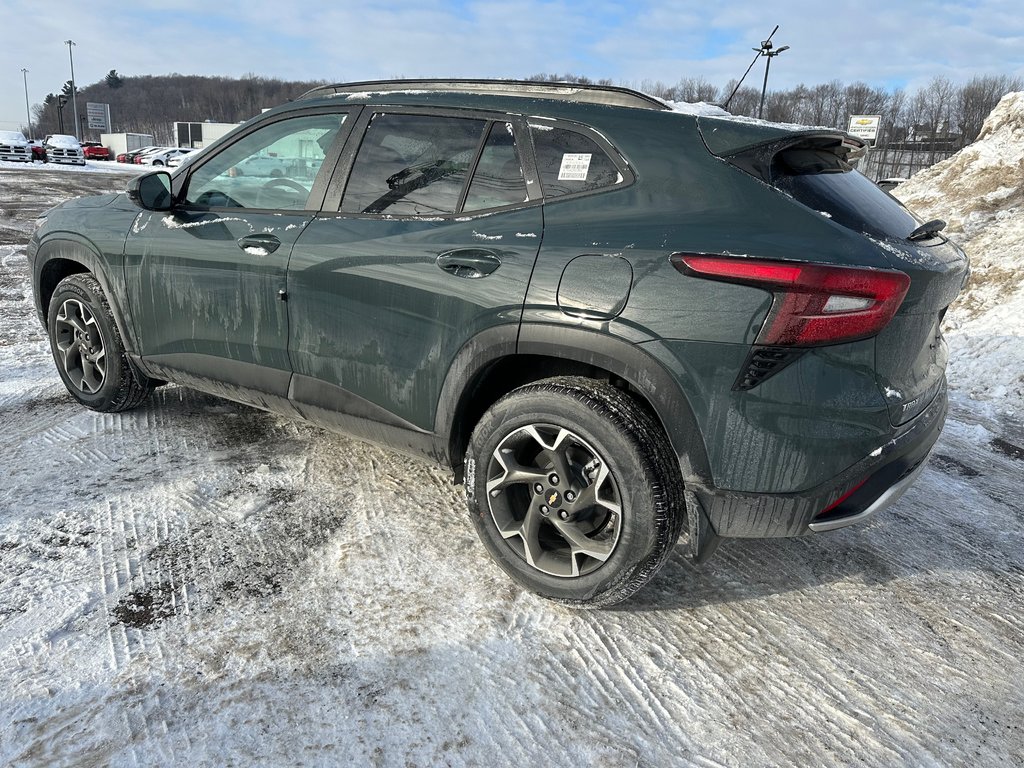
93 150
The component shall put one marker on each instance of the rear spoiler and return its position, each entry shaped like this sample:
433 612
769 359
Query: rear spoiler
752 145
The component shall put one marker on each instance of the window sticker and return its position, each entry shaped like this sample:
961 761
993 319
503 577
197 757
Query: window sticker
574 167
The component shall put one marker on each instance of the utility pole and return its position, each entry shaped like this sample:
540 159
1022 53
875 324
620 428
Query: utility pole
74 101
28 113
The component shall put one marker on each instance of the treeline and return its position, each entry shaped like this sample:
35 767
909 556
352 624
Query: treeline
152 104
941 115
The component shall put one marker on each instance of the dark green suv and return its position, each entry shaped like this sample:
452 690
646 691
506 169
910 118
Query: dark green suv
609 319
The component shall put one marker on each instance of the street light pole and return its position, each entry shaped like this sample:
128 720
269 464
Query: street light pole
74 101
769 54
28 113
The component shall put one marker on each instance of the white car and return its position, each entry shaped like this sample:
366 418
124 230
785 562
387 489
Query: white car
164 155
61 148
265 166
14 146
180 160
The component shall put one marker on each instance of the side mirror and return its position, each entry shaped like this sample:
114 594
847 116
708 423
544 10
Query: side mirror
152 191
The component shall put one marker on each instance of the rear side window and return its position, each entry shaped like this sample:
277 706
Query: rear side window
498 178
412 165
570 162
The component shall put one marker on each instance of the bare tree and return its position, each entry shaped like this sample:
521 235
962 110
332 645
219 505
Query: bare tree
977 98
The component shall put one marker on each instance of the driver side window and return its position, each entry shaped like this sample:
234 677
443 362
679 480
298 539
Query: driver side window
273 167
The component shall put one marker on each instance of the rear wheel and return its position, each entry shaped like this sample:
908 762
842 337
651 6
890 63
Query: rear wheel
88 350
574 490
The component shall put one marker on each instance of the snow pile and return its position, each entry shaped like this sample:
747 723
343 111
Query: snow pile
980 194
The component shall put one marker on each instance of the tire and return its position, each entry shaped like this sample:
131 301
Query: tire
595 537
158 162
88 350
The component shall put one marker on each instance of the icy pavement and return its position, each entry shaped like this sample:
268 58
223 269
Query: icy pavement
199 583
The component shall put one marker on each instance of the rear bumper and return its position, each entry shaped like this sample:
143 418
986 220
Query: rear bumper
865 489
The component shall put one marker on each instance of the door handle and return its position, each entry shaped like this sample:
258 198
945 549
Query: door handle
471 263
262 244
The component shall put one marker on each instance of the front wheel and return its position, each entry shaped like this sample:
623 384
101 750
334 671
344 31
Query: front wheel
88 350
574 490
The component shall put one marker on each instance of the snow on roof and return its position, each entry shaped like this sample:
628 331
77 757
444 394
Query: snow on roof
980 193
62 140
697 109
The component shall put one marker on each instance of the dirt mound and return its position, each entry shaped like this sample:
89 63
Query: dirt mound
980 193
985 178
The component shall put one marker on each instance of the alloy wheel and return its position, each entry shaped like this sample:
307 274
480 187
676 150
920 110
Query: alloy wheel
78 340
554 500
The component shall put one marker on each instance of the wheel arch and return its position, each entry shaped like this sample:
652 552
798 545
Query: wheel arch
495 362
58 258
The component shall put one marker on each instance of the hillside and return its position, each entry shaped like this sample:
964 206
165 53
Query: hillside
151 104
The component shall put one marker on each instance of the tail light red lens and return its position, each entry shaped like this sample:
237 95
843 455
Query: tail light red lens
814 304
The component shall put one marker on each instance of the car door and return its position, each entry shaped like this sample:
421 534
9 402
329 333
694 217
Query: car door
207 280
433 244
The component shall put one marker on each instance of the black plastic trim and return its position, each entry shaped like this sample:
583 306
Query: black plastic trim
643 372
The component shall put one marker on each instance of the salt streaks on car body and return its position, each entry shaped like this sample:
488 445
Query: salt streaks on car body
170 223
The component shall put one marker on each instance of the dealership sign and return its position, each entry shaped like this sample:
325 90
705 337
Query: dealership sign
865 127
98 116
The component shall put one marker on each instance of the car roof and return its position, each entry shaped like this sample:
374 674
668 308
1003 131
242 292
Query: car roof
500 91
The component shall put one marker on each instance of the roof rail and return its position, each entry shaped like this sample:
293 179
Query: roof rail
588 94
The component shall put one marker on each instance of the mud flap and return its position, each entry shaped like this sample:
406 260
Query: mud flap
703 539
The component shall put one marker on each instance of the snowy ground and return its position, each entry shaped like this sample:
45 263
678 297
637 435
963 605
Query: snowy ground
199 583
91 166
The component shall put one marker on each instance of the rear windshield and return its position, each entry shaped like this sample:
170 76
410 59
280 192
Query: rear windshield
824 182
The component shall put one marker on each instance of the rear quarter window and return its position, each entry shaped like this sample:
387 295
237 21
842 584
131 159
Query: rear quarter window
570 162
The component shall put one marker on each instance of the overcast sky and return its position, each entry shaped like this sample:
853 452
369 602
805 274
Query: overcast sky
885 43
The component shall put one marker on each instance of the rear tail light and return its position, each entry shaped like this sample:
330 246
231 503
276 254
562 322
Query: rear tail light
814 304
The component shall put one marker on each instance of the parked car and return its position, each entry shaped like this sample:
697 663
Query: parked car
141 157
164 155
264 166
38 150
129 157
179 160
14 147
93 150
610 320
61 148
891 183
